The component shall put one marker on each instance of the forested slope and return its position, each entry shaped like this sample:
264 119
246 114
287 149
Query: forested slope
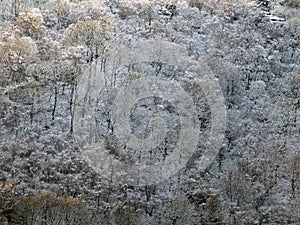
226 91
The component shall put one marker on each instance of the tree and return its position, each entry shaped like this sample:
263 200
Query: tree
92 34
48 49
141 10
46 208
236 189
295 175
178 213
62 11
30 23
125 215
7 199
16 53
93 9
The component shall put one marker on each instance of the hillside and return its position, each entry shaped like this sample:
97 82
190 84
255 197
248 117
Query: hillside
149 112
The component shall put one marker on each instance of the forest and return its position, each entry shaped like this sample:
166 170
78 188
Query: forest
171 112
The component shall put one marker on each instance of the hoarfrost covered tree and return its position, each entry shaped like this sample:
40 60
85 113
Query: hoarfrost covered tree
91 34
48 49
142 10
16 52
62 10
92 9
30 22
62 75
291 89
11 8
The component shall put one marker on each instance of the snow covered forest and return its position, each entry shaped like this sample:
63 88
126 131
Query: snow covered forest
68 69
